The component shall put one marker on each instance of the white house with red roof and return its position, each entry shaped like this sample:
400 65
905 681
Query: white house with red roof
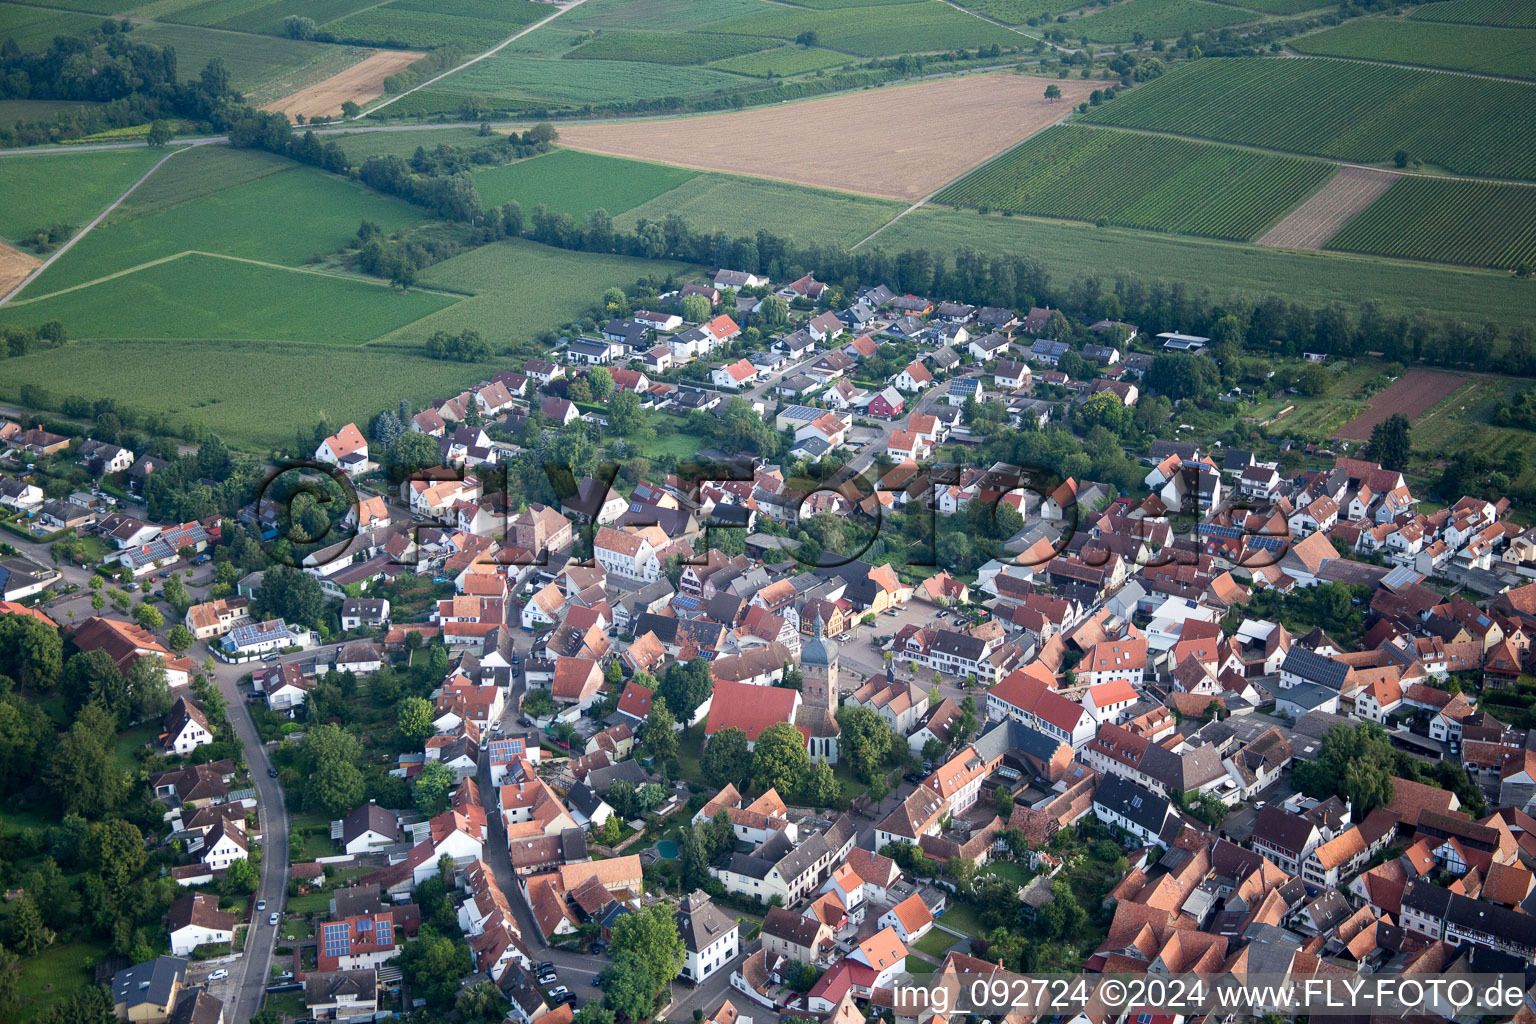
913 378
749 708
347 450
1110 702
910 919
734 376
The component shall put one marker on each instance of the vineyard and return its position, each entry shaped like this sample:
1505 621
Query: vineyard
921 27
1141 181
1448 221
1350 111
428 23
1501 13
1492 51
667 47
782 61
1155 19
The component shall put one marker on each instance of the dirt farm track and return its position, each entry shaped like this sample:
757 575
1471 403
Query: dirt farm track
360 83
899 142
1413 394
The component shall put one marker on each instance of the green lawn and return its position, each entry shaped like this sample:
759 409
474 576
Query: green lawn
289 1004
917 965
573 182
55 973
95 179
936 943
309 903
1008 871
960 918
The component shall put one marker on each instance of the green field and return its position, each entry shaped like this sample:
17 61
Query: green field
360 145
94 6
925 26
569 181
1155 19
94 178
250 15
518 82
211 298
1141 181
1449 221
33 28
1222 268
1351 111
519 287
471 24
783 61
658 15
666 47
1493 51
253 61
288 217
1504 13
739 206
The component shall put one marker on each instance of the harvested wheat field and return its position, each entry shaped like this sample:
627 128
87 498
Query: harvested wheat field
900 142
1413 394
1319 218
15 265
360 83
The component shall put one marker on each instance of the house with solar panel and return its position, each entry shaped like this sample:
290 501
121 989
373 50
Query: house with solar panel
357 943
262 638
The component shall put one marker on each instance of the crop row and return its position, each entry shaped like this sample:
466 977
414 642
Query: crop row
1495 51
1505 13
891 29
1350 111
1154 19
1141 181
1447 221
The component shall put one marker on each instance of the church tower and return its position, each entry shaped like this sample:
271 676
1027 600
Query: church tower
818 694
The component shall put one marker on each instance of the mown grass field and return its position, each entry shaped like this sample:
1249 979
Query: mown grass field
289 217
666 47
36 200
422 24
15 111
1448 221
209 299
1222 268
573 182
33 28
739 206
1351 111
1492 51
783 61
1142 181
1155 19
1505 13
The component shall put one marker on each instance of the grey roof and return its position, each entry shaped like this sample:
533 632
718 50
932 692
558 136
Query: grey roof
700 922
1186 771
323 989
1148 810
1315 667
151 982
370 816
792 927
1307 696
1288 831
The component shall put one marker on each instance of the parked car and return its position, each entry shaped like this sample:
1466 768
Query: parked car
569 999
261 905
558 993
272 919
273 773
218 975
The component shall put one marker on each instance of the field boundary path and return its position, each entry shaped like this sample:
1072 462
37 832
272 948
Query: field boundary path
360 279
473 60
61 250
1320 216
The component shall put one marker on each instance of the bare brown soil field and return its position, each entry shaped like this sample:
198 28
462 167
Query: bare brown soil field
360 83
1320 216
15 265
1413 394
899 142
